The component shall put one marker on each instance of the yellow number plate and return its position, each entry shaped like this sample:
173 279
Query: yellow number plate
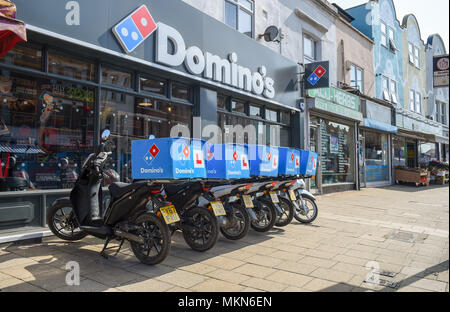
170 214
218 209
292 195
248 202
274 197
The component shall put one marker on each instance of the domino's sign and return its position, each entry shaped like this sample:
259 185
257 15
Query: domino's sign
317 75
139 25
135 28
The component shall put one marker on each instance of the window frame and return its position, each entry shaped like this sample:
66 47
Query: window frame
355 68
310 59
384 34
418 101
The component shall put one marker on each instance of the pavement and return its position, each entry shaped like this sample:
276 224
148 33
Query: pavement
381 239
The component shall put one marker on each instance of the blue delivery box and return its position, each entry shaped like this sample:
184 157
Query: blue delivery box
263 160
227 161
167 158
308 163
289 161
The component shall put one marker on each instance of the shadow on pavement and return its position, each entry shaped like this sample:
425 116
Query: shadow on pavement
47 263
412 188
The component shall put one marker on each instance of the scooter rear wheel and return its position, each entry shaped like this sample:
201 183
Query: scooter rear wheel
288 212
241 226
62 222
157 239
205 230
266 214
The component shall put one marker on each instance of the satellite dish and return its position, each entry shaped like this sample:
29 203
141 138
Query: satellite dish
271 33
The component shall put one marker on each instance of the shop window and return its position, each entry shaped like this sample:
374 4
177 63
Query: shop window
427 153
285 117
138 118
238 107
399 151
271 115
181 92
356 78
24 55
337 154
222 102
152 85
42 122
239 14
285 138
376 156
116 77
309 49
255 111
70 67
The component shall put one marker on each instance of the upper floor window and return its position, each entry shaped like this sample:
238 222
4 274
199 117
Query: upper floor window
239 14
61 64
24 55
309 50
415 101
390 92
384 36
441 112
414 55
356 78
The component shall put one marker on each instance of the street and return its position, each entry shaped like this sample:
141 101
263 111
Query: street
381 239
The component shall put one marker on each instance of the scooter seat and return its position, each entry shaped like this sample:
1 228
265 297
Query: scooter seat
172 189
118 189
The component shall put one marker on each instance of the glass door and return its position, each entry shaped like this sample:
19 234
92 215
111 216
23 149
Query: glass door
362 162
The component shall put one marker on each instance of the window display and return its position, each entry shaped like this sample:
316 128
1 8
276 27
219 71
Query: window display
427 153
129 118
46 132
399 150
337 152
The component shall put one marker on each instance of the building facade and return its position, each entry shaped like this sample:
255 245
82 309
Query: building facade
437 104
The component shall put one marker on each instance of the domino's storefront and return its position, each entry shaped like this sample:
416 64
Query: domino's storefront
136 70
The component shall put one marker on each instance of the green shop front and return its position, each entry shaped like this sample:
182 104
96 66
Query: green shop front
333 117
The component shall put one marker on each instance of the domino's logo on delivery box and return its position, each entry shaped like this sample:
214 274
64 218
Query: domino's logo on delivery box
135 28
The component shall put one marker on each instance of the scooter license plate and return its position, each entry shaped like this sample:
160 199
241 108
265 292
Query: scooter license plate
292 195
218 209
169 214
248 202
274 197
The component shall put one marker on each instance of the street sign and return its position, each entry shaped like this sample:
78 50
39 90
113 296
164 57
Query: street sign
317 75
440 71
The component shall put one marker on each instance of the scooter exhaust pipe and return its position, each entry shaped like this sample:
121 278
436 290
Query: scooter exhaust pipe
129 236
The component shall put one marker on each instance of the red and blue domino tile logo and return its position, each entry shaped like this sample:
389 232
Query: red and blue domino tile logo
135 28
314 78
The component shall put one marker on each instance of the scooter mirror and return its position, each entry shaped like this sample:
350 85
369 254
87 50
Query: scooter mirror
105 135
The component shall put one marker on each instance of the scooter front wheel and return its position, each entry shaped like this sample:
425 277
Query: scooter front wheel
307 212
204 230
156 237
63 223
240 224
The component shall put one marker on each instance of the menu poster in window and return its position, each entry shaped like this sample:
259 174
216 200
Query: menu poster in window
334 145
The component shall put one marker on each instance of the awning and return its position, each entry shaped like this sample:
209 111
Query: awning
412 134
374 124
20 149
438 139
12 31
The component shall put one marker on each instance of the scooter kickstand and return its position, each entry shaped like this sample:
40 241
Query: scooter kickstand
120 247
102 253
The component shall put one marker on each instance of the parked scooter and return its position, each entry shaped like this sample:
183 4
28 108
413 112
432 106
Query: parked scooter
276 192
228 197
198 223
128 216
304 202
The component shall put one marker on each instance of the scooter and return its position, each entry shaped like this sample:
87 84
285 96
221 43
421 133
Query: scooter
228 197
304 202
137 212
198 222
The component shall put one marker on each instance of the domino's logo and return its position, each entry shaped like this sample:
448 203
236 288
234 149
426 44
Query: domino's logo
151 154
314 78
135 28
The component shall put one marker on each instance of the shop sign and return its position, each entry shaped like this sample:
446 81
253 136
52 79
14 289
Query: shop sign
440 71
317 75
171 50
336 96
330 107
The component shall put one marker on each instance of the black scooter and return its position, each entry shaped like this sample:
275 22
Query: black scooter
137 212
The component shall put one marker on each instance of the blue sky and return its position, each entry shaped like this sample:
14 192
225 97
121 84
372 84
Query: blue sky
433 15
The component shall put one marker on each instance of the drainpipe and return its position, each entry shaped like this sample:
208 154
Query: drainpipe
343 61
